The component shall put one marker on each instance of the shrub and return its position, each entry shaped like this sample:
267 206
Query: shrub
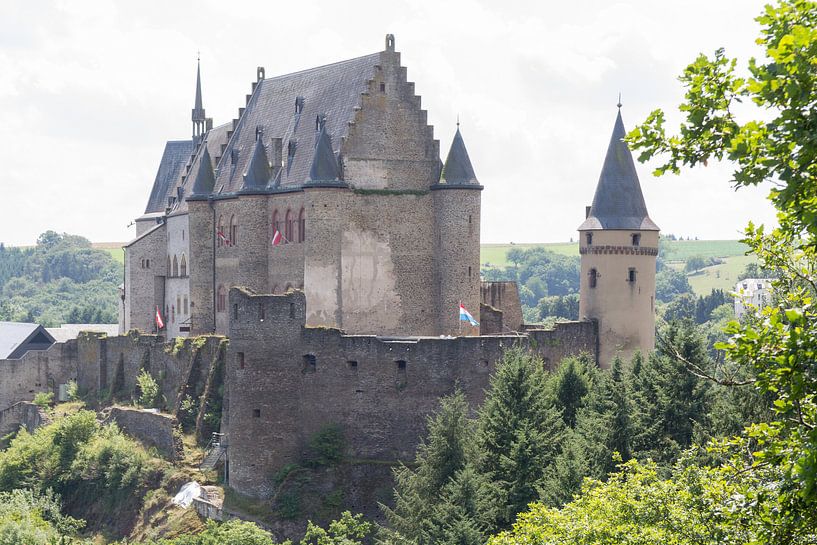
44 400
326 447
148 390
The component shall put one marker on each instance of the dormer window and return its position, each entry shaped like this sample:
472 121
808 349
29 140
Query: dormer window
636 238
299 105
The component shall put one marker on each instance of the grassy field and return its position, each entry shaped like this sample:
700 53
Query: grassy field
116 253
723 276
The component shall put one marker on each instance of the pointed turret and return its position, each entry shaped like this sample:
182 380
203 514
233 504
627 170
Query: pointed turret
458 169
324 164
205 177
258 172
198 115
618 203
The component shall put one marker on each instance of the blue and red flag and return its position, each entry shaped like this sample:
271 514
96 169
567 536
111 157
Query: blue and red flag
465 316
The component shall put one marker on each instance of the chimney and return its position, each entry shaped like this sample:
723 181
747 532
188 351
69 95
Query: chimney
208 123
276 150
587 212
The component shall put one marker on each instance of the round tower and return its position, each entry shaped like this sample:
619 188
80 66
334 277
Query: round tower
457 201
618 243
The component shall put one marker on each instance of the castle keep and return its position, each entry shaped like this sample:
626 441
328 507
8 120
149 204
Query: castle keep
320 231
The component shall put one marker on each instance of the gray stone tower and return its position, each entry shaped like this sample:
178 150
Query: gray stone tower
457 199
618 245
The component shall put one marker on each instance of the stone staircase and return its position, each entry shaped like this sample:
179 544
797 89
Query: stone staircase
213 452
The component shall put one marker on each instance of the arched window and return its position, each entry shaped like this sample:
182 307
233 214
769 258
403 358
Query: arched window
288 226
221 299
179 304
169 270
589 238
183 266
233 230
175 266
276 223
302 225
593 276
220 234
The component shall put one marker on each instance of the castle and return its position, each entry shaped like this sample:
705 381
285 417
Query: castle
321 232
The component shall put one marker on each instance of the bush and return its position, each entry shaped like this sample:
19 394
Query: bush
148 390
44 400
326 447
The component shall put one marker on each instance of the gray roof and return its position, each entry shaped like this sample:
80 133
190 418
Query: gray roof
334 90
18 338
458 169
71 331
198 109
324 163
205 178
175 156
618 203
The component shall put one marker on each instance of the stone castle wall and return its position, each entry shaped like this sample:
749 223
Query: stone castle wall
37 371
286 382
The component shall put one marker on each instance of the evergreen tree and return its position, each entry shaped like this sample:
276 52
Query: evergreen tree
440 458
570 388
519 435
457 518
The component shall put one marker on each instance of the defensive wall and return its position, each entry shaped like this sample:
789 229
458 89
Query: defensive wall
286 382
22 414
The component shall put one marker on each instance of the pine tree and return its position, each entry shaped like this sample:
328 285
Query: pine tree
458 519
440 458
571 388
519 435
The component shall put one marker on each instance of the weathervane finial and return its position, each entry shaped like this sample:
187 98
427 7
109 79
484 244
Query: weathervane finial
458 121
619 100
198 55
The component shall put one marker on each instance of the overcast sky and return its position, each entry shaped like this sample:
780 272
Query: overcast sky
90 92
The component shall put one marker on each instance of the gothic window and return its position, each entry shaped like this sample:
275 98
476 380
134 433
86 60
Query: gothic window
636 239
221 299
593 276
220 232
631 274
589 238
276 223
233 230
175 267
169 268
288 226
186 306
302 225
183 266
179 304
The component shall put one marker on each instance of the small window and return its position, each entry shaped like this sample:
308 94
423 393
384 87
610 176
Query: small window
352 364
310 364
382 87
401 365
588 237
292 310
469 272
262 312
182 234
183 266
239 359
631 274
593 277
636 239
186 306
235 312
147 263
221 299
256 413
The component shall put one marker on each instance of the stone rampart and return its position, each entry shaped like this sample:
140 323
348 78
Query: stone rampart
23 414
37 371
152 429
286 382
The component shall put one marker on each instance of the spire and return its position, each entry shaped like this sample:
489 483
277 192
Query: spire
324 164
618 203
205 177
258 172
198 116
458 169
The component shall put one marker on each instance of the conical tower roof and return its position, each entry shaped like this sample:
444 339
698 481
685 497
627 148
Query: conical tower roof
198 108
618 203
324 164
258 172
458 169
205 177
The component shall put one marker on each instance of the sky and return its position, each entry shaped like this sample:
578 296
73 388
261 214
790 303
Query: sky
91 90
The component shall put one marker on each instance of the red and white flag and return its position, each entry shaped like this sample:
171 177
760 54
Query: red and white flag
160 324
223 238
277 238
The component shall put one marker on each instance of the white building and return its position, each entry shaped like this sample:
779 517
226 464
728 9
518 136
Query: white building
752 291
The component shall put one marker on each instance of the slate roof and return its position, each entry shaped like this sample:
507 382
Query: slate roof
18 338
618 203
213 139
71 331
324 163
458 169
333 90
174 158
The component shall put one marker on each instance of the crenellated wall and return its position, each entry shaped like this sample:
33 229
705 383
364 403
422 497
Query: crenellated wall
287 381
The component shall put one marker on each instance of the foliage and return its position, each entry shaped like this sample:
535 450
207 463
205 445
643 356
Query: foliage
670 283
348 530
148 389
60 280
232 532
697 262
34 519
326 447
44 400
558 306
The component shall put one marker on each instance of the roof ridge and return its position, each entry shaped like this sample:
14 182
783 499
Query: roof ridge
319 67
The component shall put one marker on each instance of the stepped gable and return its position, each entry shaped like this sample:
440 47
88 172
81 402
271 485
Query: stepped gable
174 158
458 169
287 107
618 202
